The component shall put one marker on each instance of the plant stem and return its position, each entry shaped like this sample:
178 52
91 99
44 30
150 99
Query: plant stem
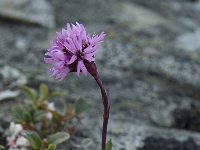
106 112
92 69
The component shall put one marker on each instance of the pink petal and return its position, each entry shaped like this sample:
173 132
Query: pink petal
80 39
59 64
69 29
73 58
63 32
91 49
71 43
76 43
73 26
89 57
99 38
78 68
62 73
53 71
81 67
69 48
48 60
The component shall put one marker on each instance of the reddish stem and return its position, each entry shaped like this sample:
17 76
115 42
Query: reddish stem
106 111
92 69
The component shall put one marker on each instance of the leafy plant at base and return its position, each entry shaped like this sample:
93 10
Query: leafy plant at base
109 145
52 140
34 139
80 106
58 138
2 147
41 132
51 147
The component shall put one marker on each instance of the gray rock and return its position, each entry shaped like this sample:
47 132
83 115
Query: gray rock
11 78
189 41
27 11
128 136
197 6
136 17
8 94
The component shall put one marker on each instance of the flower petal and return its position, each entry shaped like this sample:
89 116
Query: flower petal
48 60
59 64
78 68
69 48
73 58
76 42
81 67
98 38
91 49
71 43
62 73
89 57
69 29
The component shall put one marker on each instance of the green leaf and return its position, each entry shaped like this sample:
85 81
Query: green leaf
31 93
58 138
27 117
109 145
17 111
34 139
44 91
22 114
80 106
2 147
39 115
51 147
53 94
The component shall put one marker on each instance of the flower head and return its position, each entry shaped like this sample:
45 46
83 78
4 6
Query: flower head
71 49
15 139
15 129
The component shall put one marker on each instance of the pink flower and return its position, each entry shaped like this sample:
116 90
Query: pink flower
12 142
71 49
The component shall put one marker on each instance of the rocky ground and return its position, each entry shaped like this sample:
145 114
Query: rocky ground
150 62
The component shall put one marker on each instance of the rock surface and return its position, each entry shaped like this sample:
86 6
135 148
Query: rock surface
189 41
150 62
28 11
11 78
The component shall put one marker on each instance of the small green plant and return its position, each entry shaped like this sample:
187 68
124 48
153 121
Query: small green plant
109 145
38 124
2 147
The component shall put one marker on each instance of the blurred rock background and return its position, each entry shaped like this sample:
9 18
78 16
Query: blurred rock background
150 62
